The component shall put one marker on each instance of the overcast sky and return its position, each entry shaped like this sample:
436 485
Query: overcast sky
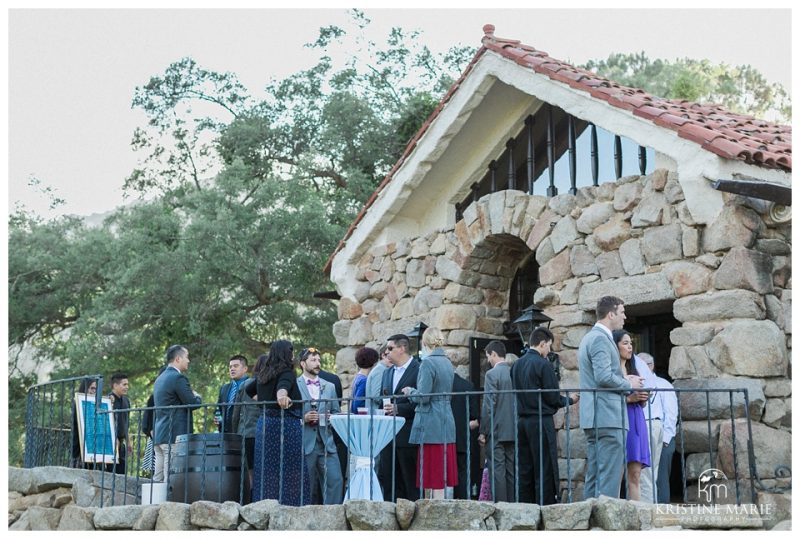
72 73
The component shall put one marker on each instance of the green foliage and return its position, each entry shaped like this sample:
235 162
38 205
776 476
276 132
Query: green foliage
740 89
242 199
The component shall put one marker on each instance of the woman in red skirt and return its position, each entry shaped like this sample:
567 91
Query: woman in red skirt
434 428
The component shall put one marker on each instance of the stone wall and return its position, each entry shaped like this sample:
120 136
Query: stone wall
727 283
37 502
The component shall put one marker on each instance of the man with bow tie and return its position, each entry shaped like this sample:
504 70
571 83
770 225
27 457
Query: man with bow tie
400 453
319 400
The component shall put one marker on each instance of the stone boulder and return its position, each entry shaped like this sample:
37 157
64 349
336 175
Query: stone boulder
719 305
257 514
74 517
735 226
610 235
594 216
650 211
614 514
369 515
750 348
567 516
557 269
609 265
692 334
147 521
662 244
776 508
772 449
451 515
563 234
634 290
517 516
117 517
174 516
216 516
693 403
309 517
37 519
627 196
404 511
21 480
630 254
698 436
582 261
743 268
691 362
688 278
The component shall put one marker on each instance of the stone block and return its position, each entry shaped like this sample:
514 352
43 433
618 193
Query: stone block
693 403
119 517
630 254
582 261
780 387
74 518
174 516
692 334
615 514
349 309
427 300
571 516
662 243
563 234
699 436
451 515
576 448
634 290
594 216
370 515
688 278
517 516
735 226
562 204
557 269
541 229
610 235
650 210
750 348
742 268
545 296
720 305
691 362
454 317
691 241
627 196
544 252
258 513
309 518
772 449
609 265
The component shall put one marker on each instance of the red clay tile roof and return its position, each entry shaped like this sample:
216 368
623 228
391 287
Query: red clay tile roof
715 129
727 134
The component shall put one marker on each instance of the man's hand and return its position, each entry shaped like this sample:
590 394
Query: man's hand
635 381
388 409
311 417
482 440
474 424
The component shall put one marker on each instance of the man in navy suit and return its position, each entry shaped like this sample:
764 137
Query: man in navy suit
237 368
402 374
171 389
603 415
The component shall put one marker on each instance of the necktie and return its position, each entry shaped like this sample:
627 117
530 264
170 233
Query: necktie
232 391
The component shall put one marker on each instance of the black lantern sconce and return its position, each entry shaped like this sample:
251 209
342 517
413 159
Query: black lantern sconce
416 334
533 317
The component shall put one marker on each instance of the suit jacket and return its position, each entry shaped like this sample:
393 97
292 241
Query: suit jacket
227 412
245 417
374 384
336 381
599 367
433 418
172 388
465 408
405 408
326 391
498 407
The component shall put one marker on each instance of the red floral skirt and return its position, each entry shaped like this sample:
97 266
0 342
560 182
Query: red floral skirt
438 464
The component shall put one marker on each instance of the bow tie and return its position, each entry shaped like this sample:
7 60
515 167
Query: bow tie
312 382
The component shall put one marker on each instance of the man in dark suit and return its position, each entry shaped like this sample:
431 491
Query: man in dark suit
403 462
172 389
237 369
465 412
538 451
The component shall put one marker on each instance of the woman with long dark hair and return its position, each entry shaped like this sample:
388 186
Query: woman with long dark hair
279 471
637 450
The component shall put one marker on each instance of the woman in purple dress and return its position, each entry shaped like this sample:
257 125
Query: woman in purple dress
637 451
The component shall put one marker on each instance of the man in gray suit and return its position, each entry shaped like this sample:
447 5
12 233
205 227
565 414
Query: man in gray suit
498 423
172 389
603 415
319 396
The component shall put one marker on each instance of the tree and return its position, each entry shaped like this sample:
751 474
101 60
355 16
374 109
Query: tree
242 200
740 89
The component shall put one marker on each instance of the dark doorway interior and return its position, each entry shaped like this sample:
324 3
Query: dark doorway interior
651 334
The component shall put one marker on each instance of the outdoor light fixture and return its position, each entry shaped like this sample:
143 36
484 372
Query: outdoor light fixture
531 317
416 333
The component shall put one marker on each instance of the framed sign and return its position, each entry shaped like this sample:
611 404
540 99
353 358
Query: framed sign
96 430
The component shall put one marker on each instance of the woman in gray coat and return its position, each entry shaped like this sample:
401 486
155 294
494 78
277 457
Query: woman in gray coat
434 428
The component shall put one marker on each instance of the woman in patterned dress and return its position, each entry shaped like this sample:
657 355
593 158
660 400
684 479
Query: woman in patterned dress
280 470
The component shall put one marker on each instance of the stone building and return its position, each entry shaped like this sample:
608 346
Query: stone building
535 182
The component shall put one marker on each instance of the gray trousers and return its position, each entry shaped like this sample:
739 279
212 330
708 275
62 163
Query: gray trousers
325 475
664 471
501 471
605 461
650 475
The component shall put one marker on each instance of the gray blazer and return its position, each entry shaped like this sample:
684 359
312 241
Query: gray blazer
498 407
374 383
433 422
326 391
599 367
172 389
